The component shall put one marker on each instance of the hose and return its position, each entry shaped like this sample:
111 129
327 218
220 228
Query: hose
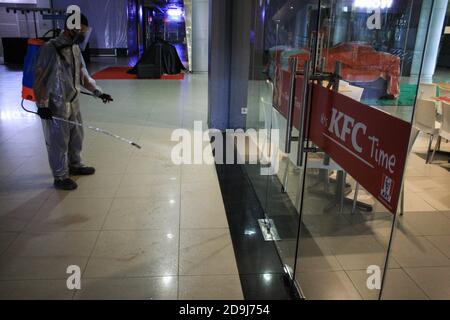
130 142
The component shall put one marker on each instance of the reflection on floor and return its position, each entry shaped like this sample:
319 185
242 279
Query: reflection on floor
261 271
141 228
335 249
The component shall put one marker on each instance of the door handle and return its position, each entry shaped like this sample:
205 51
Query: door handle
290 115
305 111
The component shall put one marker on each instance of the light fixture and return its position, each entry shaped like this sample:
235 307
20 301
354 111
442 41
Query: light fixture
250 232
174 12
373 4
267 277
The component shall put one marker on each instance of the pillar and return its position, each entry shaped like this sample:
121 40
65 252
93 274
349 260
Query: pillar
431 47
200 35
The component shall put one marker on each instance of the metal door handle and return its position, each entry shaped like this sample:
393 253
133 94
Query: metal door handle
290 115
304 107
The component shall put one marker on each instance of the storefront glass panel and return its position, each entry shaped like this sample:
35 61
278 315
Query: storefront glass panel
362 59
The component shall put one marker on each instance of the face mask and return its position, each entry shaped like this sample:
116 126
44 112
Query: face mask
79 38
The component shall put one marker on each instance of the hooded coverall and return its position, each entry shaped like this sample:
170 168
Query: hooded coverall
59 74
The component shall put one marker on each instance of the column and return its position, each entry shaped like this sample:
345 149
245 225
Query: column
200 35
434 37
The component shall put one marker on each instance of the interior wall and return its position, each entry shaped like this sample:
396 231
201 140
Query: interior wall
108 18
229 63
219 64
13 25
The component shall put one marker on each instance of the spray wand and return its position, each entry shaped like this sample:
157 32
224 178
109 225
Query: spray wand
130 142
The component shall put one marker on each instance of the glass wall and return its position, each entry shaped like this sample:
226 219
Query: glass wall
334 233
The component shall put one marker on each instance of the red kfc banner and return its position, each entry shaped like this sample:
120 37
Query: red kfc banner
369 144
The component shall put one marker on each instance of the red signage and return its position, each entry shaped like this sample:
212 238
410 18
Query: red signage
369 144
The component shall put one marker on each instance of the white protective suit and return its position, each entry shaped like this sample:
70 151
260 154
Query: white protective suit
60 72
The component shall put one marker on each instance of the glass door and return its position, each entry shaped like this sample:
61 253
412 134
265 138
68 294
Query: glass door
363 90
281 33
333 85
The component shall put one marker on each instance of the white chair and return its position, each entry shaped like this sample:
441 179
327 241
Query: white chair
427 91
425 121
444 131
353 92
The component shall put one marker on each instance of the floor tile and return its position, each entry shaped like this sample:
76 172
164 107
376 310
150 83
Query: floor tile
35 290
335 285
206 252
143 214
218 288
28 188
16 213
157 288
434 281
442 243
203 211
45 255
425 224
377 224
198 173
398 286
144 165
438 199
39 167
6 238
414 202
427 184
69 214
144 186
358 252
412 251
204 188
96 186
134 254
107 163
130 180
316 255
9 165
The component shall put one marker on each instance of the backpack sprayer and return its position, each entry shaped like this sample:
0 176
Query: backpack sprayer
28 94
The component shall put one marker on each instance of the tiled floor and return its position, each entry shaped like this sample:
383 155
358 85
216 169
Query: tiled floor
141 228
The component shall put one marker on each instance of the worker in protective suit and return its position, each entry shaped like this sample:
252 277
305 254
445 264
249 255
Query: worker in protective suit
60 72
